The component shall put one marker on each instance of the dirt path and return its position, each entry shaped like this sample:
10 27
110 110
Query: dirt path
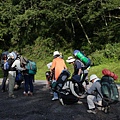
40 107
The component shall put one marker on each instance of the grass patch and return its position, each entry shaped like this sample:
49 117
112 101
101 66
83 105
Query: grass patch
113 67
42 68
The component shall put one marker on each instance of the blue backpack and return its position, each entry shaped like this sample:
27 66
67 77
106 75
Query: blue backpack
8 64
31 67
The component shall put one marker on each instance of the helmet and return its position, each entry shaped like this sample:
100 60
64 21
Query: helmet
75 52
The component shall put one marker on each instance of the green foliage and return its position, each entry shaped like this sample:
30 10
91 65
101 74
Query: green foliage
112 51
98 58
40 27
109 54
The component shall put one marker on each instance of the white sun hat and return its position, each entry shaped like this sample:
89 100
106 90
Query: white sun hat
56 53
70 59
92 77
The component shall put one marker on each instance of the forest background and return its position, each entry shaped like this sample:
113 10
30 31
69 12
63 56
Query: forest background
36 28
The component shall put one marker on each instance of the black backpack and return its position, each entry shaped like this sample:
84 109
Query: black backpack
109 90
67 96
57 86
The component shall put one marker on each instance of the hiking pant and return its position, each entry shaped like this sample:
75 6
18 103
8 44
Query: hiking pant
29 83
55 94
12 75
92 100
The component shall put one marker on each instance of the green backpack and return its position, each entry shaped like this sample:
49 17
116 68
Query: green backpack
109 89
31 67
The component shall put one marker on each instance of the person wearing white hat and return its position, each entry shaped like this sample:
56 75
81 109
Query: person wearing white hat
70 59
78 72
94 95
58 65
12 74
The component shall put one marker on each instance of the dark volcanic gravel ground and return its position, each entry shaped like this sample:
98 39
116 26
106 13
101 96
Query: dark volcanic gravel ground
40 107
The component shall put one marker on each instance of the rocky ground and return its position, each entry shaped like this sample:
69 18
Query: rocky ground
41 107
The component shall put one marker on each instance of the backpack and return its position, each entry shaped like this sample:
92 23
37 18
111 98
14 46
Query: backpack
67 96
19 76
8 64
31 67
109 90
57 86
109 73
83 58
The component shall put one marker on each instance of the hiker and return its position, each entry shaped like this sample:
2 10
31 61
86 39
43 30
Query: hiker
48 75
12 73
69 94
5 74
78 72
28 88
28 77
19 74
58 65
94 94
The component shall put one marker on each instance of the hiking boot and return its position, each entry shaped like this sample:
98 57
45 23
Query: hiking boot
91 111
30 93
26 94
12 96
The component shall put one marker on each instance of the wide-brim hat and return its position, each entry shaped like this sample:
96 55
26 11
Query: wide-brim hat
56 53
92 77
70 59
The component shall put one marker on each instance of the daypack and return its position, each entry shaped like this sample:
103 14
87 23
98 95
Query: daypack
19 76
57 86
109 73
8 64
83 58
31 67
109 90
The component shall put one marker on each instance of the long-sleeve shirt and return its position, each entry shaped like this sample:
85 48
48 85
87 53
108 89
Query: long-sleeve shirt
58 64
16 64
96 86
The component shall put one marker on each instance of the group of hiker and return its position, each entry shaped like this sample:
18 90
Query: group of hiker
14 67
18 69
57 69
70 91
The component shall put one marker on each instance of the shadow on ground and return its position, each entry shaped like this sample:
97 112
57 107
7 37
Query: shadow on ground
40 107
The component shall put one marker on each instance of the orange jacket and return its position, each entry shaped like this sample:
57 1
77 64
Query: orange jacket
58 64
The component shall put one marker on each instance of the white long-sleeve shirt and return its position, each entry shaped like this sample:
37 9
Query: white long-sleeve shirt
16 64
